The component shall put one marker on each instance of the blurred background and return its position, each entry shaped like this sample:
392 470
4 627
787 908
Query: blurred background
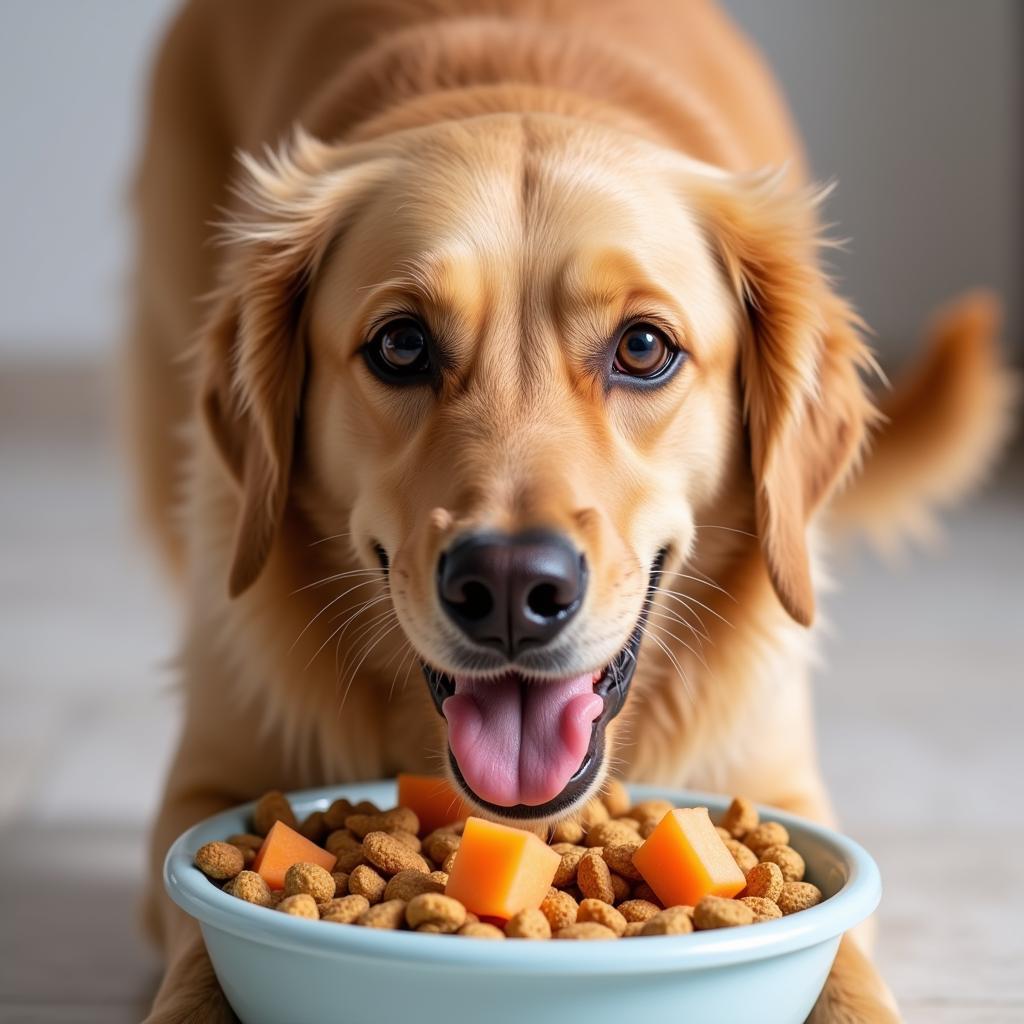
914 108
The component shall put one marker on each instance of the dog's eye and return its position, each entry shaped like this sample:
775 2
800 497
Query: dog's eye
399 351
643 351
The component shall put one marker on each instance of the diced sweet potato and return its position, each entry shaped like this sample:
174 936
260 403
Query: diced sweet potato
499 871
433 799
684 859
284 847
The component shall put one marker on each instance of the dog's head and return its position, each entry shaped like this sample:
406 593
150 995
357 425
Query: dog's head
516 359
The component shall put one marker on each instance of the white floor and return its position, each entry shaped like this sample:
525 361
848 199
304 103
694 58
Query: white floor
920 706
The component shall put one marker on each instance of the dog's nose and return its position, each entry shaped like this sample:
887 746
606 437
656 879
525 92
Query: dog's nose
511 592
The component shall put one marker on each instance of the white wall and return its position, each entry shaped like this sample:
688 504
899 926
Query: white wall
912 104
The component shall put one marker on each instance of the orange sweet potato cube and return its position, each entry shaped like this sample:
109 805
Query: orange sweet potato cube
284 847
499 870
434 800
684 859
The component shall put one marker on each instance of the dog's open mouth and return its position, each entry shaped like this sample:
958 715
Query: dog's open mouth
530 748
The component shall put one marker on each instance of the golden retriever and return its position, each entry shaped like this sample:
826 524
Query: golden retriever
517 371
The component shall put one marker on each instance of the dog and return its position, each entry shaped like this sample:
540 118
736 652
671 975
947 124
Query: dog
494 412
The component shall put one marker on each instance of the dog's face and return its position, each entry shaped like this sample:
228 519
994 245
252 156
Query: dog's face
520 358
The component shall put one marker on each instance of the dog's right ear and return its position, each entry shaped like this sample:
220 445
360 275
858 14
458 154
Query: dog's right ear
251 351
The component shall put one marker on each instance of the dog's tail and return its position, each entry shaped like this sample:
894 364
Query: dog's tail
943 425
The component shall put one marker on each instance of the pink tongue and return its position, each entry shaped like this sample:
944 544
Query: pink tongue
518 742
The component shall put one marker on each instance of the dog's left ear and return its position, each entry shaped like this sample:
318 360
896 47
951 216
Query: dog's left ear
251 351
805 407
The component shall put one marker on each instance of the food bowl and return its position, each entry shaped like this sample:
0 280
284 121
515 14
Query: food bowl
278 969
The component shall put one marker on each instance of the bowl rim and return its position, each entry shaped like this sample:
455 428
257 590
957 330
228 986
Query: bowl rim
856 899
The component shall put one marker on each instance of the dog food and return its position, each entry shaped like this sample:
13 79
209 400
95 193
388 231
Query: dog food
617 870
434 802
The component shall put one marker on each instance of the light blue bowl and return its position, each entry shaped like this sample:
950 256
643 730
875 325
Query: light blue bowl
277 969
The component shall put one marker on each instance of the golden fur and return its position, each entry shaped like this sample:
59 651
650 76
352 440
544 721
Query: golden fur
525 176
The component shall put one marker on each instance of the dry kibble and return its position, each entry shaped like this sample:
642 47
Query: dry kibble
642 891
616 798
252 888
740 818
638 910
594 877
314 827
585 930
566 871
365 807
722 832
449 862
408 838
621 889
650 809
481 930
743 855
341 839
559 908
364 881
718 912
790 863
439 844
674 921
245 839
633 928
397 819
340 882
528 924
344 909
219 861
276 895
310 879
619 857
389 915
764 909
271 807
593 813
601 913
570 831
764 880
299 905
798 896
433 911
768 833
409 883
610 833
390 855
335 815
648 825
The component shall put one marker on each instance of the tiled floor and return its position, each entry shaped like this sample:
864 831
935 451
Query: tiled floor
920 705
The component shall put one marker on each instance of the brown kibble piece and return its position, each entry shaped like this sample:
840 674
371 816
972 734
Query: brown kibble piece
365 807
439 844
764 880
340 883
559 908
745 857
251 887
790 863
638 910
344 909
271 807
481 930
650 809
642 891
798 896
616 798
299 905
364 881
398 819
335 815
673 921
602 913
585 930
648 825
619 857
311 879
764 909
219 861
528 924
594 878
611 833
593 813
633 928
768 833
723 833
389 915
245 839
433 911
569 831
390 856
565 874
409 883
718 912
449 862
621 889
740 818
314 827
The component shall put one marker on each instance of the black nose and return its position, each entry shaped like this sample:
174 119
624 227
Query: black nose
511 592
